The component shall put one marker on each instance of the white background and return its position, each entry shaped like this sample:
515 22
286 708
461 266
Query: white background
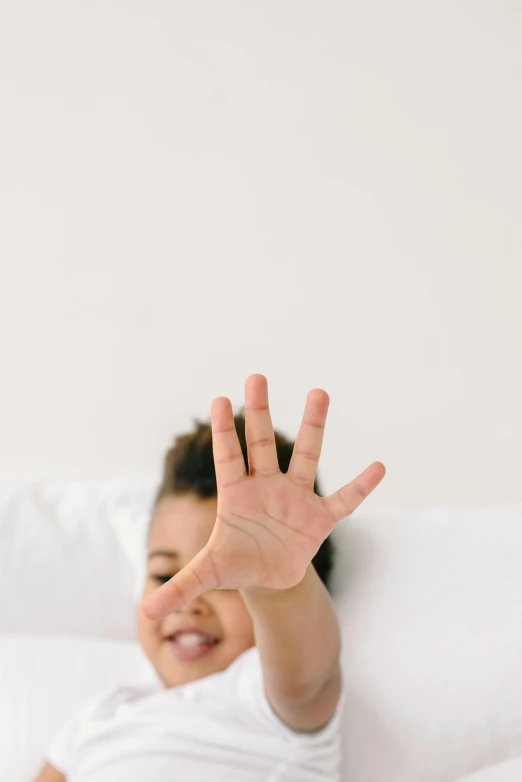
325 192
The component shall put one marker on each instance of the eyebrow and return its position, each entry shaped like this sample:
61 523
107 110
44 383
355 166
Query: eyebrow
164 553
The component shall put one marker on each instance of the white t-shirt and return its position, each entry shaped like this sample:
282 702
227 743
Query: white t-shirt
508 771
221 727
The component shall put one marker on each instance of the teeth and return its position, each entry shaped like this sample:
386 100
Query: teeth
190 640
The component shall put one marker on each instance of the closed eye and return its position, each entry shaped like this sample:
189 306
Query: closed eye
160 579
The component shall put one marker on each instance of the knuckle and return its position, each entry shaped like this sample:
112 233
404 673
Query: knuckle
231 457
307 455
262 442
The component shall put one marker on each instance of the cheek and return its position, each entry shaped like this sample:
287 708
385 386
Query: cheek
238 622
148 630
148 587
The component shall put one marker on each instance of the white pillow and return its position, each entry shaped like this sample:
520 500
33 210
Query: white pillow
43 682
430 606
68 556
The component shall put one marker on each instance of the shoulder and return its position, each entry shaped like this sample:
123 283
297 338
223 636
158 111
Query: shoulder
244 681
62 750
101 706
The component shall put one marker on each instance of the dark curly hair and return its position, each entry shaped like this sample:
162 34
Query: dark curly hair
189 468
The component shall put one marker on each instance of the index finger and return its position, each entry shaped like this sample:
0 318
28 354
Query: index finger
228 456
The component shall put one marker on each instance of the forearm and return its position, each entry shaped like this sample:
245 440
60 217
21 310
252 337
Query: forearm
297 634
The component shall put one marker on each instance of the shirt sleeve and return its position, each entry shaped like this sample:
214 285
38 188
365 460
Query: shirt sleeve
62 751
251 692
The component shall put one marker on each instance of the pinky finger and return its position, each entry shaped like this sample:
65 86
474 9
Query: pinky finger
345 500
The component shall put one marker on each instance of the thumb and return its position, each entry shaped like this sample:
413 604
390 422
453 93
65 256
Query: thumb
194 579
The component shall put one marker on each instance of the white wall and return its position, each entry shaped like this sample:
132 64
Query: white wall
326 192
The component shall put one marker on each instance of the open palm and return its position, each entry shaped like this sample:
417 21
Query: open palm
269 524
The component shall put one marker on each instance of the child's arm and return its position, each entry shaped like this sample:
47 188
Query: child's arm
297 634
50 774
269 526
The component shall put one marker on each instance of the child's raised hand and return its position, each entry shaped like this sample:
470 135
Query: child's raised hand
269 524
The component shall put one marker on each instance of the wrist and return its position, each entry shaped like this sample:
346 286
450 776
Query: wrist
264 595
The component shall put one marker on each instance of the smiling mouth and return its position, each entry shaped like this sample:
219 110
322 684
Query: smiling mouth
189 640
191 646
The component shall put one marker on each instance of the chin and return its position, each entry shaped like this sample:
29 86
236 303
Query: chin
175 669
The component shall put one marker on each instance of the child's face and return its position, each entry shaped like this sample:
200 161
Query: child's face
219 620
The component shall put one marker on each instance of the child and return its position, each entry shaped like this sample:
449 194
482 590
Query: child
235 619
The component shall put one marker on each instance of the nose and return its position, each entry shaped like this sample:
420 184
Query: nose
196 607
